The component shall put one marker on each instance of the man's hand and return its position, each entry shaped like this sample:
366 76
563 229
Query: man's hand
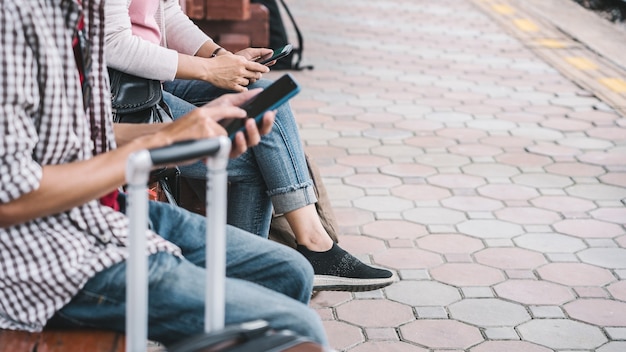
203 123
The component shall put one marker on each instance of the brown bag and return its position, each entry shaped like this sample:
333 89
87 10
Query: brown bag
280 231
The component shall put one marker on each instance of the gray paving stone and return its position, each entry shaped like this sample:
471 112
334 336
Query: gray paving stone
613 346
477 292
423 293
489 312
612 258
550 243
431 312
501 333
616 333
562 334
546 312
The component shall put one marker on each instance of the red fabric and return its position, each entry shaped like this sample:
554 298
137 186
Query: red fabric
109 200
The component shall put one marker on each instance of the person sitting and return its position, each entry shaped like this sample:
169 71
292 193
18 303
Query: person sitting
155 39
62 239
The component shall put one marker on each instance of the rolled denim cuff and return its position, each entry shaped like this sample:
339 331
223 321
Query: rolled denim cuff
294 197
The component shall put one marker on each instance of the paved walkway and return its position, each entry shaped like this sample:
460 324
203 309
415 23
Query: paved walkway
479 153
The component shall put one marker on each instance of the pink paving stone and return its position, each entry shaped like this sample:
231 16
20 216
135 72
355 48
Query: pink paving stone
534 292
477 109
615 178
591 292
575 274
472 203
341 335
621 241
324 152
603 158
523 160
527 215
450 243
464 135
303 104
566 125
372 180
507 142
403 243
378 117
405 258
362 160
325 313
419 125
352 216
340 110
594 116
466 274
327 299
588 228
389 334
387 346
520 117
375 313
448 334
508 192
553 150
510 258
610 133
392 229
475 150
420 192
362 244
351 126
618 290
335 170
563 204
456 181
575 169
429 142
600 312
408 170
509 346
547 110
308 118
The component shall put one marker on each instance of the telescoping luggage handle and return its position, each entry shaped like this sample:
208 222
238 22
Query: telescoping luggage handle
139 165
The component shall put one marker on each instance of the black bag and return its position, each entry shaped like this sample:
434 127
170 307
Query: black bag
140 100
137 100
279 38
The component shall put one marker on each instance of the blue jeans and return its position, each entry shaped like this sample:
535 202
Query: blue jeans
272 173
265 280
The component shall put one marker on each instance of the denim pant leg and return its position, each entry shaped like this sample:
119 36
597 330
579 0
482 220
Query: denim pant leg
249 205
279 156
176 285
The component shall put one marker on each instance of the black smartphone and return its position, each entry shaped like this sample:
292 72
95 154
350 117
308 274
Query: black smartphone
269 99
278 54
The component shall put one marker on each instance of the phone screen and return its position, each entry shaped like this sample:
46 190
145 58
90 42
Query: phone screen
270 98
278 53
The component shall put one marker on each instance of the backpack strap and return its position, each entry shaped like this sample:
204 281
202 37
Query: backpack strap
298 51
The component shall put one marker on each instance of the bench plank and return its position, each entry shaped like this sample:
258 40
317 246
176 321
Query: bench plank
61 341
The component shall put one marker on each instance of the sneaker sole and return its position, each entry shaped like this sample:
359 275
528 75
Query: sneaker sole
336 283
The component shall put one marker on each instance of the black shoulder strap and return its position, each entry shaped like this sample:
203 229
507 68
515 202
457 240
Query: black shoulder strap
300 48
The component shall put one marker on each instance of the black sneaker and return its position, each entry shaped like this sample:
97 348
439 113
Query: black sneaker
338 270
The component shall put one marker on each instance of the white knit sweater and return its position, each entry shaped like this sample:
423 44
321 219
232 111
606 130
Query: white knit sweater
129 53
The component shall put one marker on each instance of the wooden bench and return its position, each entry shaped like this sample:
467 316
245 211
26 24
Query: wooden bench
62 341
233 24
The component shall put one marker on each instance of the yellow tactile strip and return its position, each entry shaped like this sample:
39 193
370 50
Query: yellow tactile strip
585 67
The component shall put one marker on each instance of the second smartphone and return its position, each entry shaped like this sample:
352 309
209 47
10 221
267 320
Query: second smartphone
270 98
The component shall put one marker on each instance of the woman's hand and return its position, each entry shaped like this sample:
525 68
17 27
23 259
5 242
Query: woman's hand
232 72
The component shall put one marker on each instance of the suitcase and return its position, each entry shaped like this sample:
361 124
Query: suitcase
254 336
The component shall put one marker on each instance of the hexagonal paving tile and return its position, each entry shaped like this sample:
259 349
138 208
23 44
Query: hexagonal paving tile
508 192
392 229
490 229
422 293
341 335
510 258
576 274
509 346
588 228
614 346
359 312
401 258
441 334
433 216
611 258
471 203
466 274
383 203
450 243
489 312
562 334
534 292
527 215
387 346
563 204
550 243
618 290
600 312
420 192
